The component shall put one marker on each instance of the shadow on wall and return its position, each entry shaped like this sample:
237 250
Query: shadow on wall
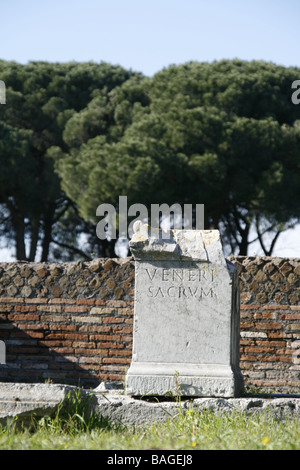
30 359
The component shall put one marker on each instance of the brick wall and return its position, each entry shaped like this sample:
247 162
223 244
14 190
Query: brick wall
68 323
72 322
270 323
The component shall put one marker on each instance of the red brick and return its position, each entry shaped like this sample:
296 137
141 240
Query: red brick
61 326
62 301
276 334
113 320
116 303
77 309
84 344
106 377
274 358
63 366
49 308
88 359
122 329
247 342
115 377
95 329
34 334
20 317
67 336
64 350
276 307
290 316
108 345
11 300
247 357
285 351
269 326
125 311
112 368
258 349
6 308
250 307
120 352
49 343
126 338
36 301
266 315
116 360
245 314
85 301
25 308
105 337
33 326
246 325
271 343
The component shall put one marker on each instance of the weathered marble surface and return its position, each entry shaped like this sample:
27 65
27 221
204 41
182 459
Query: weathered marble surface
186 320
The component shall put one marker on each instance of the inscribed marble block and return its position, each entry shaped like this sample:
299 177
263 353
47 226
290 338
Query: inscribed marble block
186 316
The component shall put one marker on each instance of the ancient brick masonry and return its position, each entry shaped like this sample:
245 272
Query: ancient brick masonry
270 323
72 322
68 323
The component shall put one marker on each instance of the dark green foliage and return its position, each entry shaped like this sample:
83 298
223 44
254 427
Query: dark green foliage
40 100
225 134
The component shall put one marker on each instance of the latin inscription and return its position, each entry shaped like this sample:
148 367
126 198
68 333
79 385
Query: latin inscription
180 283
181 274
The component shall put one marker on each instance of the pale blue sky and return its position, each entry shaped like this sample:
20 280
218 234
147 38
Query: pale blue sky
147 35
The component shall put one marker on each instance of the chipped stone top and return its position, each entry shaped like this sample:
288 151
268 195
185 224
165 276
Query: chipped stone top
157 244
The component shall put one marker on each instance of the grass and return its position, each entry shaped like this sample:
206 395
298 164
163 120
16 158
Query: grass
74 428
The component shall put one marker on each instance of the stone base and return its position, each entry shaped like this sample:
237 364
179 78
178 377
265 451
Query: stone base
189 380
24 401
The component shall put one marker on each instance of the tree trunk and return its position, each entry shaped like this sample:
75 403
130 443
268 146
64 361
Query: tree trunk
19 228
35 225
244 243
108 248
48 222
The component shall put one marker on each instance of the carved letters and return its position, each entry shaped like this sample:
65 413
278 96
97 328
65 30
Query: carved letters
181 283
